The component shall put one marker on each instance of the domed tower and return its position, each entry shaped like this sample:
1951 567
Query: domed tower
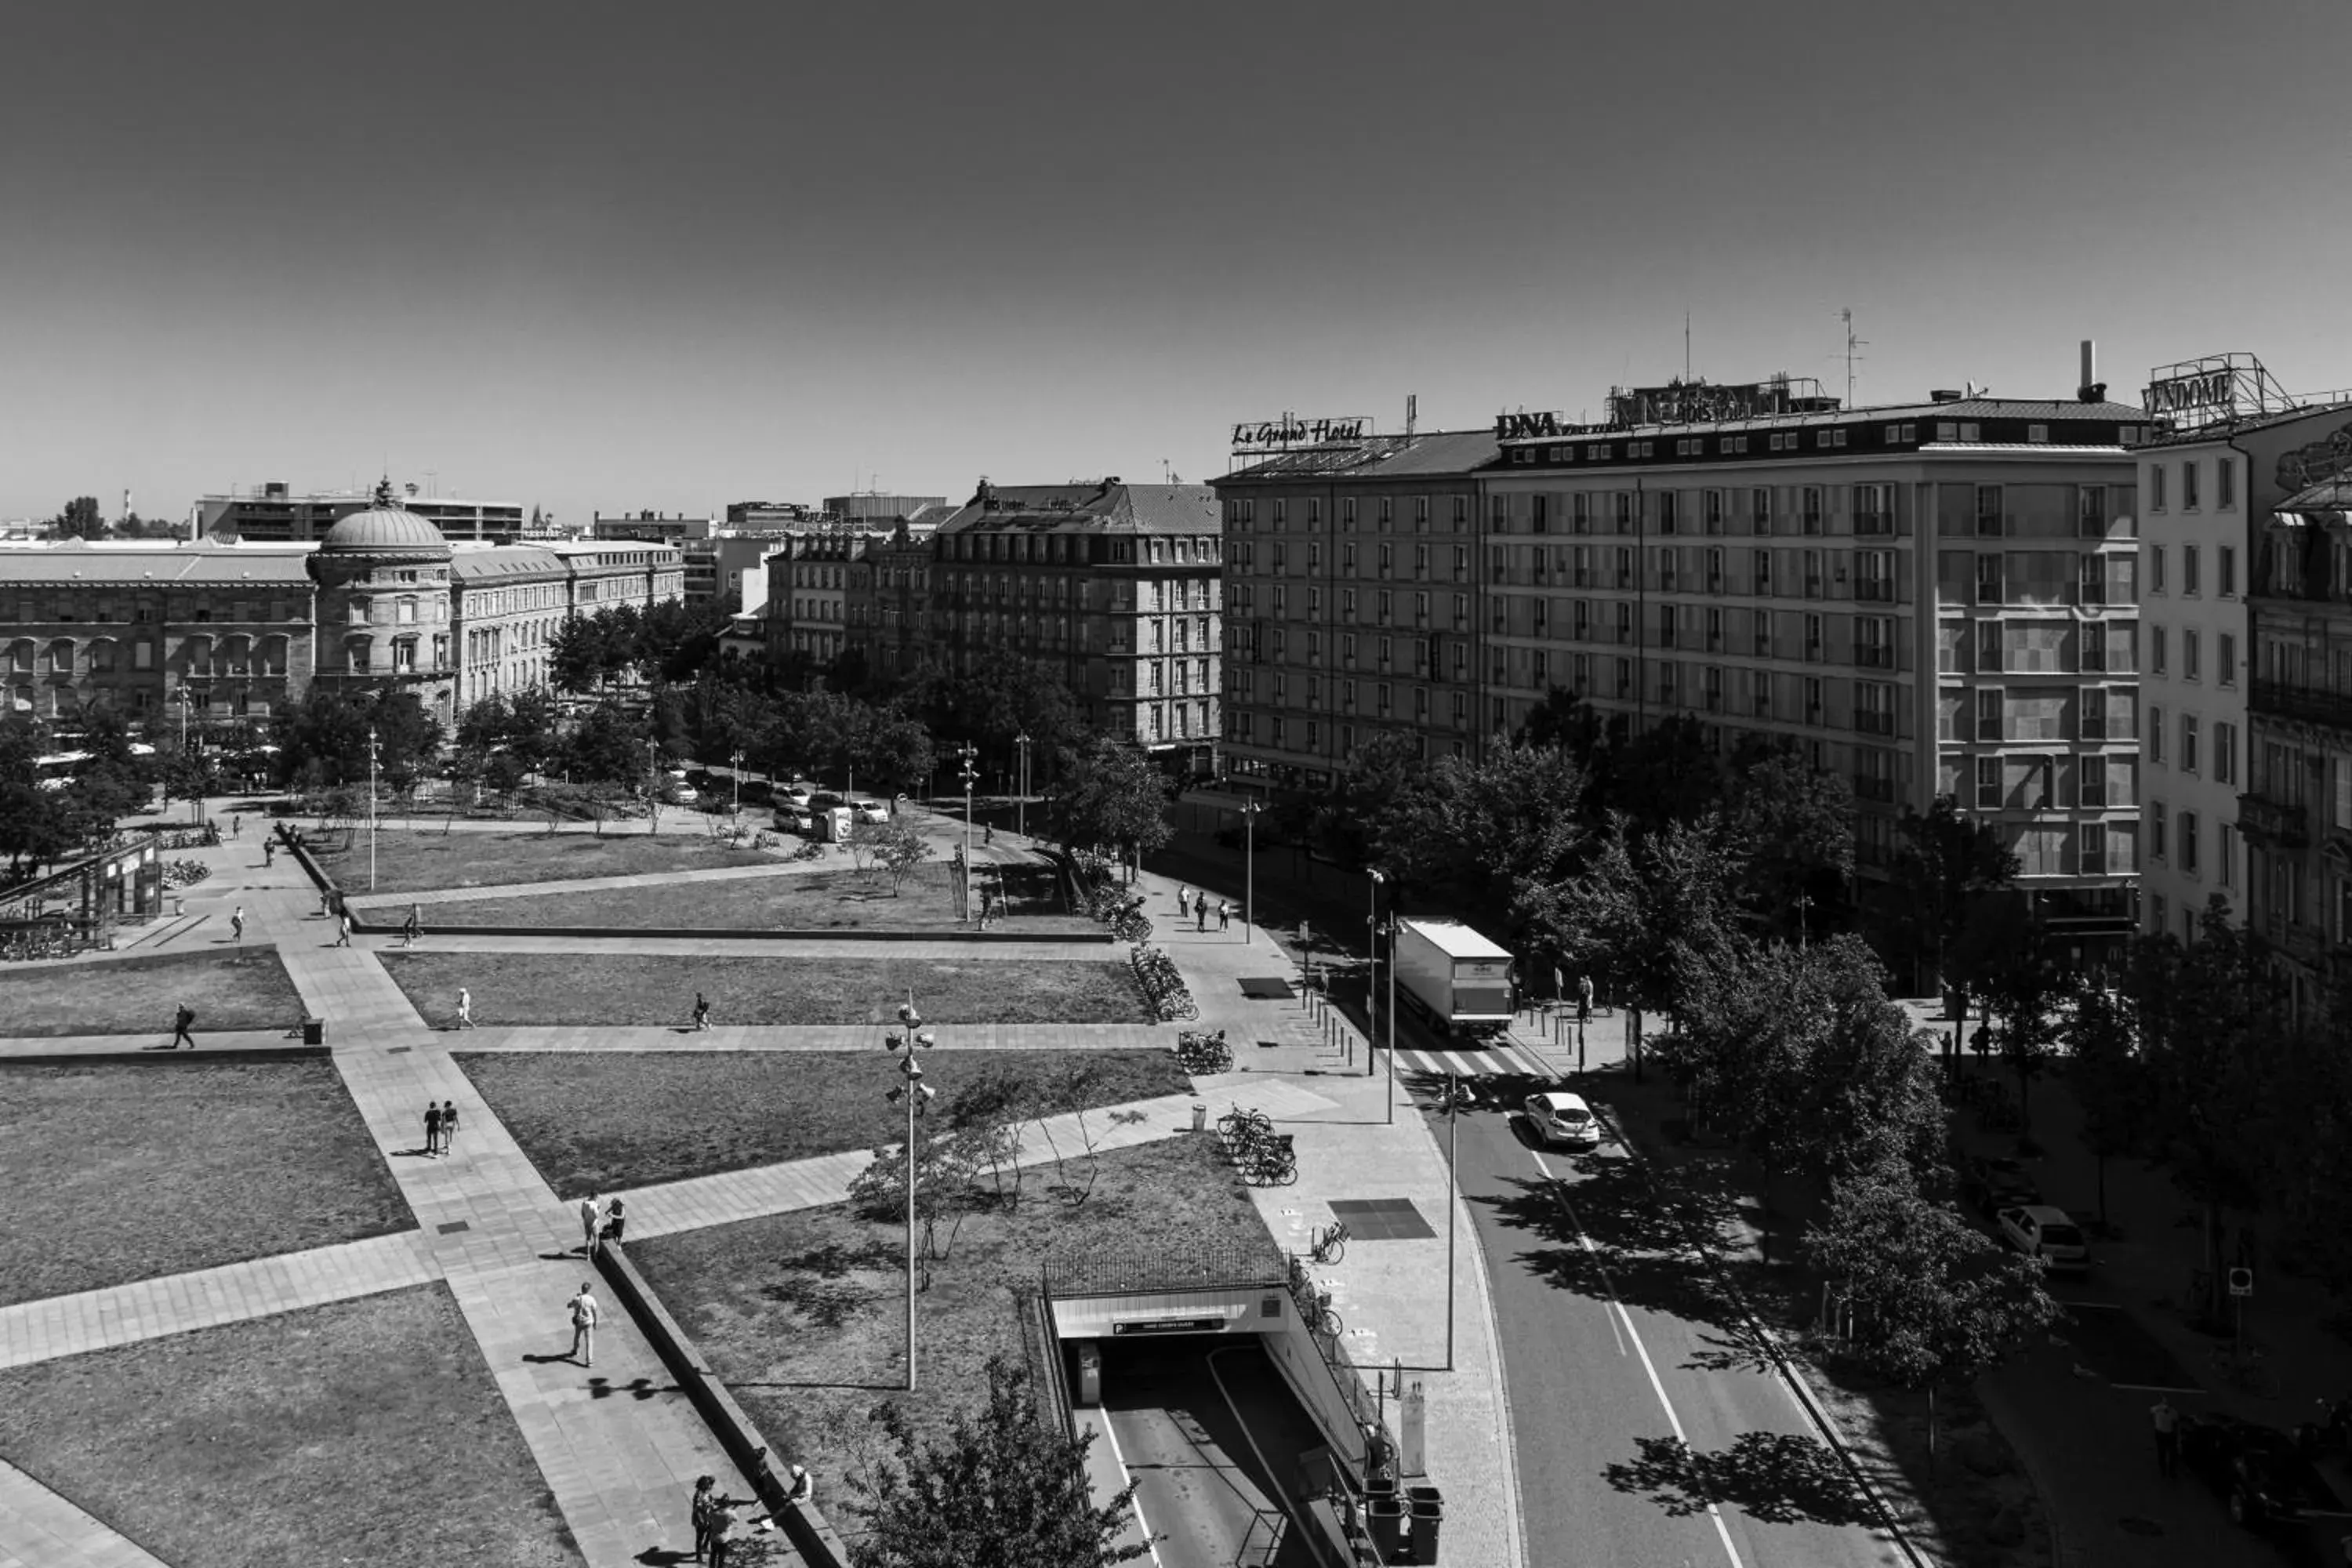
383 604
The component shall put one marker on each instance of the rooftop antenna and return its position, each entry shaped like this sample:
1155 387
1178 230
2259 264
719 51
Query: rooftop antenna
1686 348
1412 412
1852 343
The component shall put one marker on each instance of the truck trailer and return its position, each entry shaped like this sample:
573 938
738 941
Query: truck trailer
1453 977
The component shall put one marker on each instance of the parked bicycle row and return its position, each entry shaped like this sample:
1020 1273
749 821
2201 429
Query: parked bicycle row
1266 1158
1200 1053
1163 987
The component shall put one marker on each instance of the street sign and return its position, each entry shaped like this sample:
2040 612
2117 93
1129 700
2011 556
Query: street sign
2241 1281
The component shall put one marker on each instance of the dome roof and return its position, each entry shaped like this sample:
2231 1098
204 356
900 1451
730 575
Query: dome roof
386 528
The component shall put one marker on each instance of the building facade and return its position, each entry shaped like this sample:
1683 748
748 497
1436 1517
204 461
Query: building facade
1355 574
273 513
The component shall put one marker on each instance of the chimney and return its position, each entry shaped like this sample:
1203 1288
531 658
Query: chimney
2090 389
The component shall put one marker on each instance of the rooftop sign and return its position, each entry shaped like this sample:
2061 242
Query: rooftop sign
1275 435
2199 397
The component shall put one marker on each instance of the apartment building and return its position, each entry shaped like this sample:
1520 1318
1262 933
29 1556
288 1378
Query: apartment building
274 512
1116 586
1353 569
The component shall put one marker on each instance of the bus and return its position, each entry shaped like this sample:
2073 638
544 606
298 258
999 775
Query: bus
57 769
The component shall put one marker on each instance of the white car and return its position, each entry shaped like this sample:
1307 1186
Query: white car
869 811
1564 1118
2049 1234
795 819
796 794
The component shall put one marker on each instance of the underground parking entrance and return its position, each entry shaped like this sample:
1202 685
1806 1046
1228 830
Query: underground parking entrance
1248 1436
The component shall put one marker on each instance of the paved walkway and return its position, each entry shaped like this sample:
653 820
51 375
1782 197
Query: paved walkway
208 1040
950 950
732 1195
38 1528
804 1037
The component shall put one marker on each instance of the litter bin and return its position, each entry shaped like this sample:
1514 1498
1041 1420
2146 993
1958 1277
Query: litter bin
1384 1518
1428 1510
1089 1373
314 1031
1200 1117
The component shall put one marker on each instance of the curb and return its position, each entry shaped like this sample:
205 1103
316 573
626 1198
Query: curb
1782 1363
818 1543
197 1057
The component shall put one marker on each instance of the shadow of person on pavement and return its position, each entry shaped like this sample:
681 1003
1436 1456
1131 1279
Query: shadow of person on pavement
1778 1477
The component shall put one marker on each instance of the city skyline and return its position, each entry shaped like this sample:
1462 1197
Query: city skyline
619 263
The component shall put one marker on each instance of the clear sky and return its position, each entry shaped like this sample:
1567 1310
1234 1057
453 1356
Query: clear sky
602 258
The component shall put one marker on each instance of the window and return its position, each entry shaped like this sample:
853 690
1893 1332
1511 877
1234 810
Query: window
2225 859
2091 783
2187 742
1988 714
2189 486
2189 653
1669 510
2156 487
1714 511
2091 511
2155 822
2225 494
1987 578
1989 512
1987 641
2156 569
2156 736
2155 643
1763 572
1811 497
1987 784
2225 753
2185 839
2188 574
1759 510
2225 570
2039 433
2225 658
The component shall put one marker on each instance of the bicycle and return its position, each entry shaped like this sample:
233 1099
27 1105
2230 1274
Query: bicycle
1326 1323
2245 1369
1330 1243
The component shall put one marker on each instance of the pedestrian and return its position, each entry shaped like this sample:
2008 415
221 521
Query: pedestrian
1584 998
326 903
179 1022
584 1326
465 1008
268 854
988 833
804 1492
615 1221
592 1214
722 1530
1224 914
2167 1435
343 924
701 1509
236 824
432 1127
702 1011
449 1125
413 927
236 924
1184 901
1200 914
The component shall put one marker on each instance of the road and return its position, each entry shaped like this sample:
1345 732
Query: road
1604 1317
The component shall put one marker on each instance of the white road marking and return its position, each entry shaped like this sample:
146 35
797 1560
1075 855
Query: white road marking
1135 1499
1560 1189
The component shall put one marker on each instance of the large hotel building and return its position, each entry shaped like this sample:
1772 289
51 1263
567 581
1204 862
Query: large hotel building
1932 598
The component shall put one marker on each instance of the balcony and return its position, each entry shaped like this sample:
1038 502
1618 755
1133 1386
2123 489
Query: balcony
1878 522
1877 589
1866 788
2272 823
1870 723
1875 655
2301 702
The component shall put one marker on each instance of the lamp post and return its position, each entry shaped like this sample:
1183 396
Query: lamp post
1250 809
1453 1198
735 777
1388 931
1021 811
1372 954
372 767
653 784
968 752
910 1036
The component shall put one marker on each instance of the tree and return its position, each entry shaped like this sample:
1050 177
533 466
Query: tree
326 737
897 845
1111 792
1935 1300
1003 1489
2107 1073
1495 837
1646 908
576 654
79 519
1563 720
2025 980
1945 867
1381 777
1793 828
608 746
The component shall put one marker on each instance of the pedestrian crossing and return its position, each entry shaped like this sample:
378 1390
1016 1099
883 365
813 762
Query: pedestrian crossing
1510 1056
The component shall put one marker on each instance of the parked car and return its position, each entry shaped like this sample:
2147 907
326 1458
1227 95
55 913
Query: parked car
795 819
798 795
825 800
1991 1184
2049 1234
1564 1118
2257 1471
869 811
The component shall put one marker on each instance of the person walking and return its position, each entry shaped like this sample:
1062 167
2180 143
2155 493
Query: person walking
584 1315
432 1127
181 1020
413 927
2166 1421
268 854
326 903
702 1011
1184 901
704 1498
1201 914
615 1221
1584 998
449 1126
592 1215
343 926
236 925
1224 914
465 1008
722 1530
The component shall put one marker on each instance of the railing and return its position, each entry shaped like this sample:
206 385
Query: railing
1865 788
1877 656
2271 821
2302 702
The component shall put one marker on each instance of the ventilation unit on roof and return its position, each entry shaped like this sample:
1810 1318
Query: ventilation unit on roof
1945 394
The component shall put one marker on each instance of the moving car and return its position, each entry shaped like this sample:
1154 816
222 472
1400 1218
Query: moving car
1991 1184
2049 1234
798 795
795 819
2257 1470
863 810
1564 1118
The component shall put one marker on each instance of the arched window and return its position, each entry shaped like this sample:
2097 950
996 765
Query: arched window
61 657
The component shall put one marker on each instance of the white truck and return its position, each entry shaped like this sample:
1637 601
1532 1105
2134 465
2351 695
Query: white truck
1455 978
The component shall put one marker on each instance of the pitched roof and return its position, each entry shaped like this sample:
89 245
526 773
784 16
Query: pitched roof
1090 507
497 561
1436 453
182 564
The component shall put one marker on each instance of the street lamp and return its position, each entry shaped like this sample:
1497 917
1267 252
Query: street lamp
908 1037
1372 954
653 784
968 752
735 777
1021 811
1250 809
372 767
1453 1198
1387 929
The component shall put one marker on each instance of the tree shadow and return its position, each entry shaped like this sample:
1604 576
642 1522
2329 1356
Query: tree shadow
1780 1479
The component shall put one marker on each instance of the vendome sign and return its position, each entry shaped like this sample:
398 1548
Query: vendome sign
1292 431
2197 397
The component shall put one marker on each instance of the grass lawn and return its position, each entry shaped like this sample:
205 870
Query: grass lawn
119 1172
230 988
409 862
366 1431
821 900
614 989
584 1117
803 1315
